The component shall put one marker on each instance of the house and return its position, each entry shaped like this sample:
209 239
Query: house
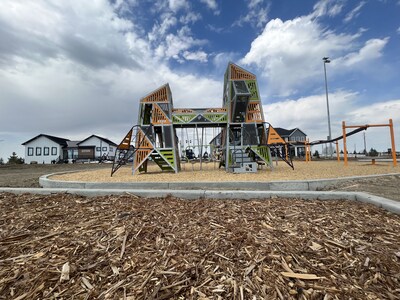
296 138
48 149
44 149
96 147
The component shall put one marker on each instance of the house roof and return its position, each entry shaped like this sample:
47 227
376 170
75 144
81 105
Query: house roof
287 132
72 144
99 137
58 140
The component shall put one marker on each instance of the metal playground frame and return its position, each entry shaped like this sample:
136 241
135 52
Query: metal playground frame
244 142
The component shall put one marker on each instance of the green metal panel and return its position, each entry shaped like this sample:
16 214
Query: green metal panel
263 152
182 118
164 159
213 117
252 85
168 155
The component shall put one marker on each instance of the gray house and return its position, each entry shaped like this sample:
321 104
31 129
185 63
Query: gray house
296 138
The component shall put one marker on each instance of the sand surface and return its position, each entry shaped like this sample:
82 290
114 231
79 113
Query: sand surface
211 172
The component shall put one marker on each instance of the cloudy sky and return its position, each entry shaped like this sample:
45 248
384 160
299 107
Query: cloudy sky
76 68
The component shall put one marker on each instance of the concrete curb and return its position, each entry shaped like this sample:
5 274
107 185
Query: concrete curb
294 185
387 204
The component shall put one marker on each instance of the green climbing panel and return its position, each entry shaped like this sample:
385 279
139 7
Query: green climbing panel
263 152
169 156
220 118
182 119
252 85
164 158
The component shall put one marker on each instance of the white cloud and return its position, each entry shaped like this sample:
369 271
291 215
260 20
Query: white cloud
310 115
257 14
77 68
176 5
198 55
212 4
398 30
289 53
176 44
372 49
327 7
190 17
354 12
41 31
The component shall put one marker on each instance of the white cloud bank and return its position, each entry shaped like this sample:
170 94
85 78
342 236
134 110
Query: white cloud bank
288 53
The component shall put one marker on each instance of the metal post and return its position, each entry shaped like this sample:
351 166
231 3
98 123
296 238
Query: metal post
393 143
327 61
337 151
344 144
365 145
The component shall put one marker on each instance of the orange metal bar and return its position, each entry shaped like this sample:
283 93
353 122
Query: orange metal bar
390 125
337 151
344 144
307 148
393 143
367 126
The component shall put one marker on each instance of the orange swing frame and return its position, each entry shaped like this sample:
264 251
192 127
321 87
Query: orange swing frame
390 125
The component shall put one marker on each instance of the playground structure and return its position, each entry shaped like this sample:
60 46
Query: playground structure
345 135
365 127
244 142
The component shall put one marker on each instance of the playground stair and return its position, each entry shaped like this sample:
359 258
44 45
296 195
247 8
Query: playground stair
164 159
242 162
262 154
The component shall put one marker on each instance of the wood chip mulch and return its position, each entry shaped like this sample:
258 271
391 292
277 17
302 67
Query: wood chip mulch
124 247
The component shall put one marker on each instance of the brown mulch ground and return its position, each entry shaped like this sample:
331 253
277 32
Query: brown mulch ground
123 247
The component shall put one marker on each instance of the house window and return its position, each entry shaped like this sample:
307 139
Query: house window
98 148
111 149
30 151
53 150
38 151
46 151
104 148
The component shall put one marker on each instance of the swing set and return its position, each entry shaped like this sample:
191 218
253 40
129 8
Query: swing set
345 135
365 127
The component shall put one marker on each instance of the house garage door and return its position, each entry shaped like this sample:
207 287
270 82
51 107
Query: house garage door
86 153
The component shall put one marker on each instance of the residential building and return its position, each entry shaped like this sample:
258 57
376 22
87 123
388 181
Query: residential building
296 138
96 147
46 149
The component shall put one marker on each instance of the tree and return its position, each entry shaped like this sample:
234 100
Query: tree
341 152
373 152
1 161
354 152
15 160
316 154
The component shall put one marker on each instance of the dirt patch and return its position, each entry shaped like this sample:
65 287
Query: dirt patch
388 186
116 247
28 175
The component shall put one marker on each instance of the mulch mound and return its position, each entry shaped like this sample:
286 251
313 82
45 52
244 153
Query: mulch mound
123 247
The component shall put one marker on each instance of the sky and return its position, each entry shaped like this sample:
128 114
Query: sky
76 68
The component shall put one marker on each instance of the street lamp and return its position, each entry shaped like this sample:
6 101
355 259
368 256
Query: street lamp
326 60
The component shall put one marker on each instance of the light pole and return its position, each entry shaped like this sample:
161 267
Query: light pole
326 60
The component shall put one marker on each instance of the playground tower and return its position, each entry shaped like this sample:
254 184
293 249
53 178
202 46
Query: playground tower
244 140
